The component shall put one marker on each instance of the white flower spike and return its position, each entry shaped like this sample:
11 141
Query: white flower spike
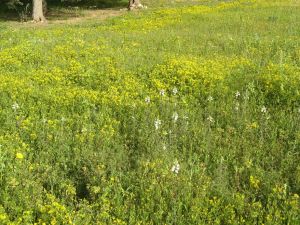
147 100
175 91
210 119
175 117
15 106
176 167
157 124
263 109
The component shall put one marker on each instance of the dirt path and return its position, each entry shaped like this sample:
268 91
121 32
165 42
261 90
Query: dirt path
84 15
72 16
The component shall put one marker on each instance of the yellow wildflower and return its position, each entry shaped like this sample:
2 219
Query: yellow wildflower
19 155
254 182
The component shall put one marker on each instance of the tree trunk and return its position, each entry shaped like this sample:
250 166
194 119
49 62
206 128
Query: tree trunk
45 9
37 12
134 4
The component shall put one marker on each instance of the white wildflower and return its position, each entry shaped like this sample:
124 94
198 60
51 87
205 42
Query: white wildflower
263 109
162 92
210 98
176 167
237 106
147 100
210 119
175 91
15 106
237 94
175 116
164 147
157 124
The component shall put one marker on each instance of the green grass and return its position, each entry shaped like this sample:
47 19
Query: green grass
80 143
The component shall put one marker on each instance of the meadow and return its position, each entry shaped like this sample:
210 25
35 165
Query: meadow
187 112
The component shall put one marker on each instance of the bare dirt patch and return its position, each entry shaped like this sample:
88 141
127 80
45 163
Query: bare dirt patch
83 15
72 16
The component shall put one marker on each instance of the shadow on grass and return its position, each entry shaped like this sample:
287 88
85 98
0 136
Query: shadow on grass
57 10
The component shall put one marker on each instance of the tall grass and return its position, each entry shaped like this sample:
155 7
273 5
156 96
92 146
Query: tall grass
175 115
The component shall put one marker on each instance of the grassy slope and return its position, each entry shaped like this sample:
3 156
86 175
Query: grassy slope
83 140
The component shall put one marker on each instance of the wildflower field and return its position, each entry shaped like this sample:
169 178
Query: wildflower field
187 112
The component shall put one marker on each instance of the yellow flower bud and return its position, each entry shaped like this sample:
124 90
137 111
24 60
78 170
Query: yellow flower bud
19 155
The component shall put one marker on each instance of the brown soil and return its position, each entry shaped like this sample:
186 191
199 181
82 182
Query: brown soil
97 14
72 17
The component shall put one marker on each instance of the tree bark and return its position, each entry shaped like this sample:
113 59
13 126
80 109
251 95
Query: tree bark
37 12
45 9
134 4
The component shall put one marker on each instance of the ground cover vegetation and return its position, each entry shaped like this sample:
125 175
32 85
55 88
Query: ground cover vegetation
181 114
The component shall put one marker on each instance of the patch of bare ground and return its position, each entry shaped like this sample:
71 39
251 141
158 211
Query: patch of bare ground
94 14
72 17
